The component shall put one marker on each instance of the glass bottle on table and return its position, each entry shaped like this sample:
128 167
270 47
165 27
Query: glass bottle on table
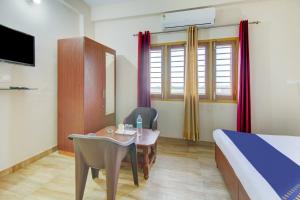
139 125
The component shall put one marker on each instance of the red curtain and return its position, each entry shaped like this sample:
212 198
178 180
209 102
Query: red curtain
144 96
244 100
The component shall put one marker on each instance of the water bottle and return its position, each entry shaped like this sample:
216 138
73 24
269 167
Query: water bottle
139 124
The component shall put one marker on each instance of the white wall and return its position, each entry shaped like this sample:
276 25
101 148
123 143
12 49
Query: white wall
273 48
28 118
84 10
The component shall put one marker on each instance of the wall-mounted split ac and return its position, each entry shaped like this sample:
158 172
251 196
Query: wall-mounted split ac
180 20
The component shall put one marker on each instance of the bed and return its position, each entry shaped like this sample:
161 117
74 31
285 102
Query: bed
258 166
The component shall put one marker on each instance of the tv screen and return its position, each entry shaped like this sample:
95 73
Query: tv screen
16 47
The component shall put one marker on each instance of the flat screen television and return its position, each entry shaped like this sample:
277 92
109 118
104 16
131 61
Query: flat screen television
16 47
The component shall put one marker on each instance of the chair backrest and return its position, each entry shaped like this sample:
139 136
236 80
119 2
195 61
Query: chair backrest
149 115
95 150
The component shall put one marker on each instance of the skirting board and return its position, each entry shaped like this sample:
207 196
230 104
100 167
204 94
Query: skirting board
27 162
66 153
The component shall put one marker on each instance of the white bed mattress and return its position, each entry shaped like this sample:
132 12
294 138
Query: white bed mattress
255 185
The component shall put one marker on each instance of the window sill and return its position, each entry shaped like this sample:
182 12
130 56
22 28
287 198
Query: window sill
200 101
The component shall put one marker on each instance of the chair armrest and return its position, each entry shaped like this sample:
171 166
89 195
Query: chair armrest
154 123
72 135
92 136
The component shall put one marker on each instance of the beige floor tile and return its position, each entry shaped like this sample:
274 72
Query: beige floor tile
181 172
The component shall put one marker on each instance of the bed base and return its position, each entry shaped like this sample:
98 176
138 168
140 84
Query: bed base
232 182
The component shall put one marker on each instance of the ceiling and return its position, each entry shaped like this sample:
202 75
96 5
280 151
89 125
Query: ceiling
104 2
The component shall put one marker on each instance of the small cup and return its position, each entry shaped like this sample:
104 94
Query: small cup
121 127
128 127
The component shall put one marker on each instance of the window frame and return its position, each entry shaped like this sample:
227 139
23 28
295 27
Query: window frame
169 95
159 96
210 73
234 74
207 70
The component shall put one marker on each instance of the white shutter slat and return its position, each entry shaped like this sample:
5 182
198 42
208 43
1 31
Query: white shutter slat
177 63
224 66
202 70
156 71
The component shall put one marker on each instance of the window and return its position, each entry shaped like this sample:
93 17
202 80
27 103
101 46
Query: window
202 70
167 71
156 56
217 69
176 62
224 70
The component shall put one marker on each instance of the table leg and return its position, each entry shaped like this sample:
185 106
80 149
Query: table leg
146 162
154 152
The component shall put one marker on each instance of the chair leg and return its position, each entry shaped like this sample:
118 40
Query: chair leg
95 173
81 172
112 175
133 157
146 162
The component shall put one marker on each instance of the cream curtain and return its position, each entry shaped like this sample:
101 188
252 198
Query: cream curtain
191 98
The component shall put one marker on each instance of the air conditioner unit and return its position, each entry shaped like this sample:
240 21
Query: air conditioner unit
179 20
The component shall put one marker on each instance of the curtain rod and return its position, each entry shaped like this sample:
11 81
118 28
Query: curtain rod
218 26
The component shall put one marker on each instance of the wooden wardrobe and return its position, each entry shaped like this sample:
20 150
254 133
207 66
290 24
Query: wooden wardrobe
86 88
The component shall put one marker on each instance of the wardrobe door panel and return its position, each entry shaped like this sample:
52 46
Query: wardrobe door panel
94 86
110 86
70 91
109 83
